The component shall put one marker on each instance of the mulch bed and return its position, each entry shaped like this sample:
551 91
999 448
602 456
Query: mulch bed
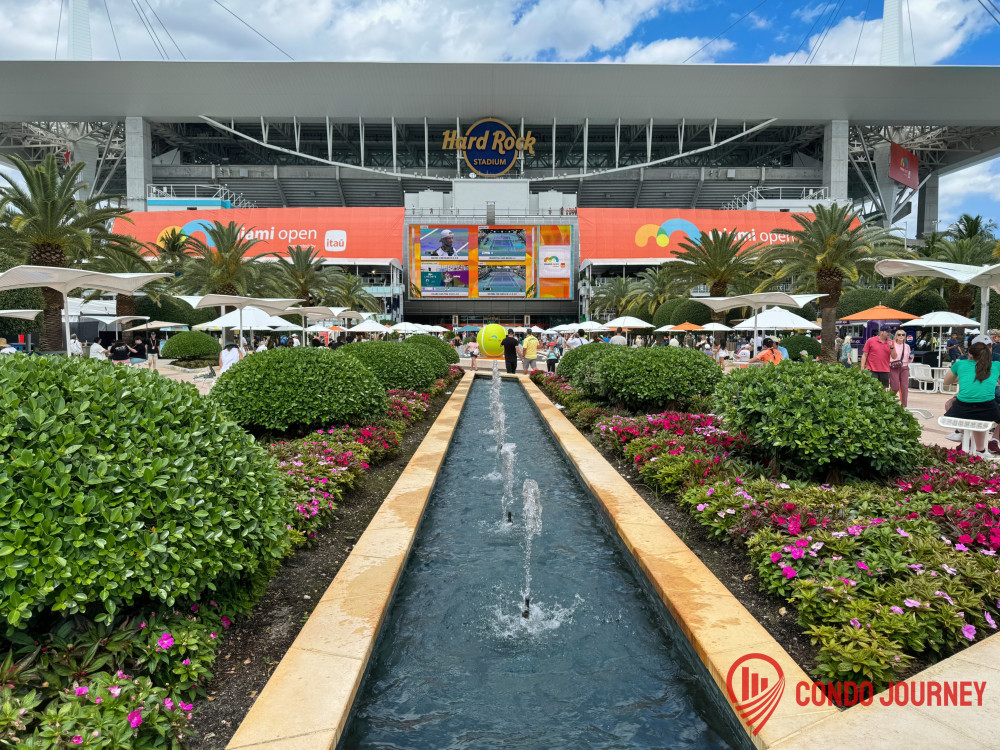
254 647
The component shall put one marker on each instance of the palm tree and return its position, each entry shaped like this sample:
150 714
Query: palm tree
612 297
349 291
127 259
827 249
654 287
717 260
172 251
302 275
222 265
44 223
976 250
970 227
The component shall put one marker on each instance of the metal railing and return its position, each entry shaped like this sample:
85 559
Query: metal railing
480 214
217 192
778 193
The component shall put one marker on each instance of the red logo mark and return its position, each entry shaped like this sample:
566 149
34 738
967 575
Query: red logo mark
760 687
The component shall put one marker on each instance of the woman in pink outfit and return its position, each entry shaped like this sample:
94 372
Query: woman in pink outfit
900 357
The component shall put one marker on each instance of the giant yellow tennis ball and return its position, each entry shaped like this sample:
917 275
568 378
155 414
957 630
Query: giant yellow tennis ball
489 338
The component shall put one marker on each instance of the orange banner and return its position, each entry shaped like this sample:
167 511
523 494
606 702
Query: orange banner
344 233
635 233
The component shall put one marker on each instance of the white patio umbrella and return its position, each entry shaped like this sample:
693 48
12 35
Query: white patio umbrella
588 326
435 329
156 325
943 319
64 279
626 322
715 327
519 329
253 317
317 328
270 305
985 277
536 329
22 314
368 326
316 312
407 328
777 319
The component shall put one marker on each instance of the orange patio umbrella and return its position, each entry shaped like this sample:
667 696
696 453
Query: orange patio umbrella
879 312
687 327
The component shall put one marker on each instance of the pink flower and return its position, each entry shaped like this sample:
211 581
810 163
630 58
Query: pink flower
168 704
856 623
142 625
926 488
788 572
969 631
212 635
775 556
896 610
77 739
702 506
165 642
194 607
98 700
911 602
226 622
801 542
185 706
115 691
81 690
186 662
989 620
135 718
862 565
901 532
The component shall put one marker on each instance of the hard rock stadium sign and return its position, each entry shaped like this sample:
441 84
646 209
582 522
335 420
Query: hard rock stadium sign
490 147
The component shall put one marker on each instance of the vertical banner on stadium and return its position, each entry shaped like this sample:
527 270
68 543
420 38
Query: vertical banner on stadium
555 262
904 166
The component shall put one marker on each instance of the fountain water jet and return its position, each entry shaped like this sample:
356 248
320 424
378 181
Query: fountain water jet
532 527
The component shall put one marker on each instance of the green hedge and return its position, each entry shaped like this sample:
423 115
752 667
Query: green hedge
18 299
573 358
174 311
118 486
190 345
586 375
435 359
299 388
919 304
860 299
445 349
664 313
795 344
395 365
656 379
689 311
817 418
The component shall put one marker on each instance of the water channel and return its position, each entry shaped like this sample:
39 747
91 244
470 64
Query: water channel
597 663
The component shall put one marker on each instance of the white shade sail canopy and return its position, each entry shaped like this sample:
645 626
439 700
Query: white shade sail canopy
776 319
715 327
272 305
942 319
22 314
368 326
156 325
65 279
759 299
252 318
985 277
626 322
316 312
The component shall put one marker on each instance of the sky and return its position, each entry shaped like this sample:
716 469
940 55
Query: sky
777 32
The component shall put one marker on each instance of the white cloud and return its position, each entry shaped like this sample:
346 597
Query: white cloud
811 12
973 190
412 30
673 51
758 22
940 28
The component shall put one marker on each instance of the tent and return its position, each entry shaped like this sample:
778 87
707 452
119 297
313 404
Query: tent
63 280
253 318
715 327
777 319
407 328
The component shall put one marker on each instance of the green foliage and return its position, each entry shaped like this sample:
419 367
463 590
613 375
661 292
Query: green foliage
434 358
446 350
174 311
860 299
573 358
796 344
664 313
299 388
657 378
919 304
395 365
690 311
119 485
814 418
586 376
18 299
191 345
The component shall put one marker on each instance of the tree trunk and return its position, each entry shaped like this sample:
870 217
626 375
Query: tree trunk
718 289
124 305
829 282
51 339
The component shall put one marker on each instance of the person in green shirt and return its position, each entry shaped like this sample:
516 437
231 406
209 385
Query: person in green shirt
977 377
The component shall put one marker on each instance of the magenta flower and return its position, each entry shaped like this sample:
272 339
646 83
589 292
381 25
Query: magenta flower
702 506
989 620
911 602
186 662
98 700
168 704
969 631
135 718
226 622
788 572
185 706
81 690
862 565
896 610
77 739
775 556
115 691
165 642
856 623
212 636
901 532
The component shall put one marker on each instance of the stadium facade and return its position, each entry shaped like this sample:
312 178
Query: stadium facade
465 192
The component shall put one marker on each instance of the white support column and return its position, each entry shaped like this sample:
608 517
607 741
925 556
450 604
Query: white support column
553 147
138 162
649 141
586 138
427 149
835 158
361 132
79 30
392 123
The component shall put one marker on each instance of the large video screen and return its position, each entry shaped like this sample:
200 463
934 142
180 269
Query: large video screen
522 262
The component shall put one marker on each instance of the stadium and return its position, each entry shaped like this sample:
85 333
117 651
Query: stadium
554 177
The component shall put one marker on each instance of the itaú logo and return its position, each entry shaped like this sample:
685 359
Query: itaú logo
755 683
335 241
663 233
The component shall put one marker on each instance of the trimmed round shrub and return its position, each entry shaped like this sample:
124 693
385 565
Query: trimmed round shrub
815 419
796 344
301 388
174 310
445 349
689 311
639 311
586 376
435 359
394 365
664 313
18 299
190 345
119 486
857 300
573 358
919 304
656 379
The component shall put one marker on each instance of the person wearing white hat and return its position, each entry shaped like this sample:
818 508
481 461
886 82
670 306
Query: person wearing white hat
447 249
295 340
6 348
